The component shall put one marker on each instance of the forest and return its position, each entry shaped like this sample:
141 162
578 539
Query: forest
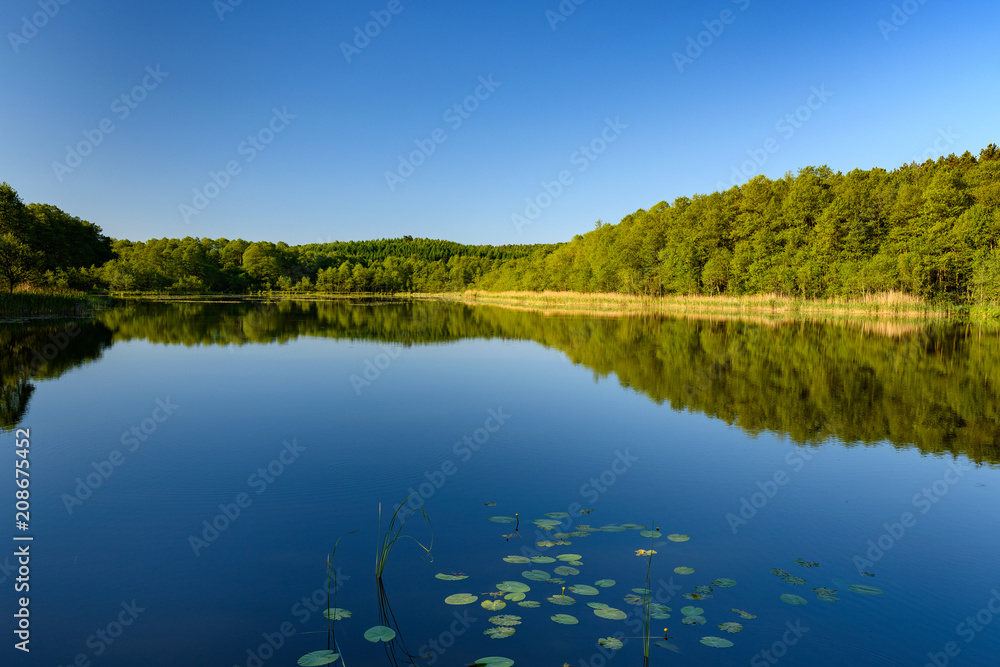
929 230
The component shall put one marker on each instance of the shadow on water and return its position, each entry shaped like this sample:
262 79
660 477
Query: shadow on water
926 386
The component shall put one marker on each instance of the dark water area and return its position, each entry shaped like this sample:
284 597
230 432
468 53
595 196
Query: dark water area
193 464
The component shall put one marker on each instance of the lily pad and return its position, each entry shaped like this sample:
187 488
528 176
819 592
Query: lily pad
380 633
793 599
613 529
692 611
506 620
731 627
542 559
684 570
610 642
529 604
503 519
825 591
564 600
499 632
636 599
597 605
513 587
536 575
547 523
724 582
565 570
778 572
744 614
514 597
806 563
633 526
693 620
545 543
650 533
641 591
569 557
493 661
583 589
517 559
798 581
336 613
604 583
696 596
565 619
557 515
318 658
611 613
865 590
828 598
493 605
676 537
704 590
450 577
461 598
716 642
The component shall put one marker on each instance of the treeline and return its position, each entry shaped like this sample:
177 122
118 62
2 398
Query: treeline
928 229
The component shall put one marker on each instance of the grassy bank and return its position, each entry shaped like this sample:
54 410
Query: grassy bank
45 304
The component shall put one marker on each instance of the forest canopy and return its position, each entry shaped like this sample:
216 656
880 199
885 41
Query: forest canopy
927 229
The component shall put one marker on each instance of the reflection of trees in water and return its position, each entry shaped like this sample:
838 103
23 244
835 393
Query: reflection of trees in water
927 386
43 349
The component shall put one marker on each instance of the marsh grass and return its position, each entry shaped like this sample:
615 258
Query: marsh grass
36 304
394 533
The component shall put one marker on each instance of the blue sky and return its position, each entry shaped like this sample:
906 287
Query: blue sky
254 120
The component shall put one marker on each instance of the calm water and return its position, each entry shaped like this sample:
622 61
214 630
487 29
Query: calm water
856 447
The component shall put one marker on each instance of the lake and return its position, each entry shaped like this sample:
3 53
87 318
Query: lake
192 464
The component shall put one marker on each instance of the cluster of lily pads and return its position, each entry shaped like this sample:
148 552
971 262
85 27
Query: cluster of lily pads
374 634
822 592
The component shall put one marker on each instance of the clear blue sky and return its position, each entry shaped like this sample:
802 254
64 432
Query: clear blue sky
888 96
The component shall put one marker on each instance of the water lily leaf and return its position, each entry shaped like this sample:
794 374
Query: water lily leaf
499 632
636 599
503 519
798 581
610 642
793 599
461 598
380 633
561 599
450 577
557 515
556 581
564 570
529 604
597 605
514 597
611 613
693 620
650 533
506 620
545 543
704 590
692 611
657 608
684 570
493 605
730 627
865 590
490 503
569 556
579 533
536 575
676 537
318 658
778 572
565 619
825 591
605 583
513 587
696 596
336 613
633 526
667 645
744 614
641 591
828 598
716 642
612 528
562 536
493 661
806 563
547 523
516 559
583 589
542 559
724 582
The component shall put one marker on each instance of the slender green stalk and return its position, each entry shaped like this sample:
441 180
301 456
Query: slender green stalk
393 534
331 576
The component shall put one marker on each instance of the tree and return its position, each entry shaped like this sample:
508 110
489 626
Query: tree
17 261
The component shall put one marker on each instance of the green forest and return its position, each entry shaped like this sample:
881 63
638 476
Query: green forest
928 230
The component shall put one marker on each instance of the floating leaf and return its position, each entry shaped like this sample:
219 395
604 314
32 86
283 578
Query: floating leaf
611 613
684 570
825 591
545 543
557 515
798 581
676 537
650 533
565 619
565 570
542 559
667 645
633 526
867 574
513 587
696 596
318 658
693 620
536 575
636 599
641 591
865 590
514 597
692 611
490 503
658 611
556 581
493 661
569 556
778 572
493 605
562 536
704 590
744 614
793 599
547 523
716 642
564 600
516 559
503 519
724 582
806 563
461 598
612 529
605 583
597 605
828 598
529 604
506 620
611 643
499 632
379 633
451 577
336 613
583 589
730 627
